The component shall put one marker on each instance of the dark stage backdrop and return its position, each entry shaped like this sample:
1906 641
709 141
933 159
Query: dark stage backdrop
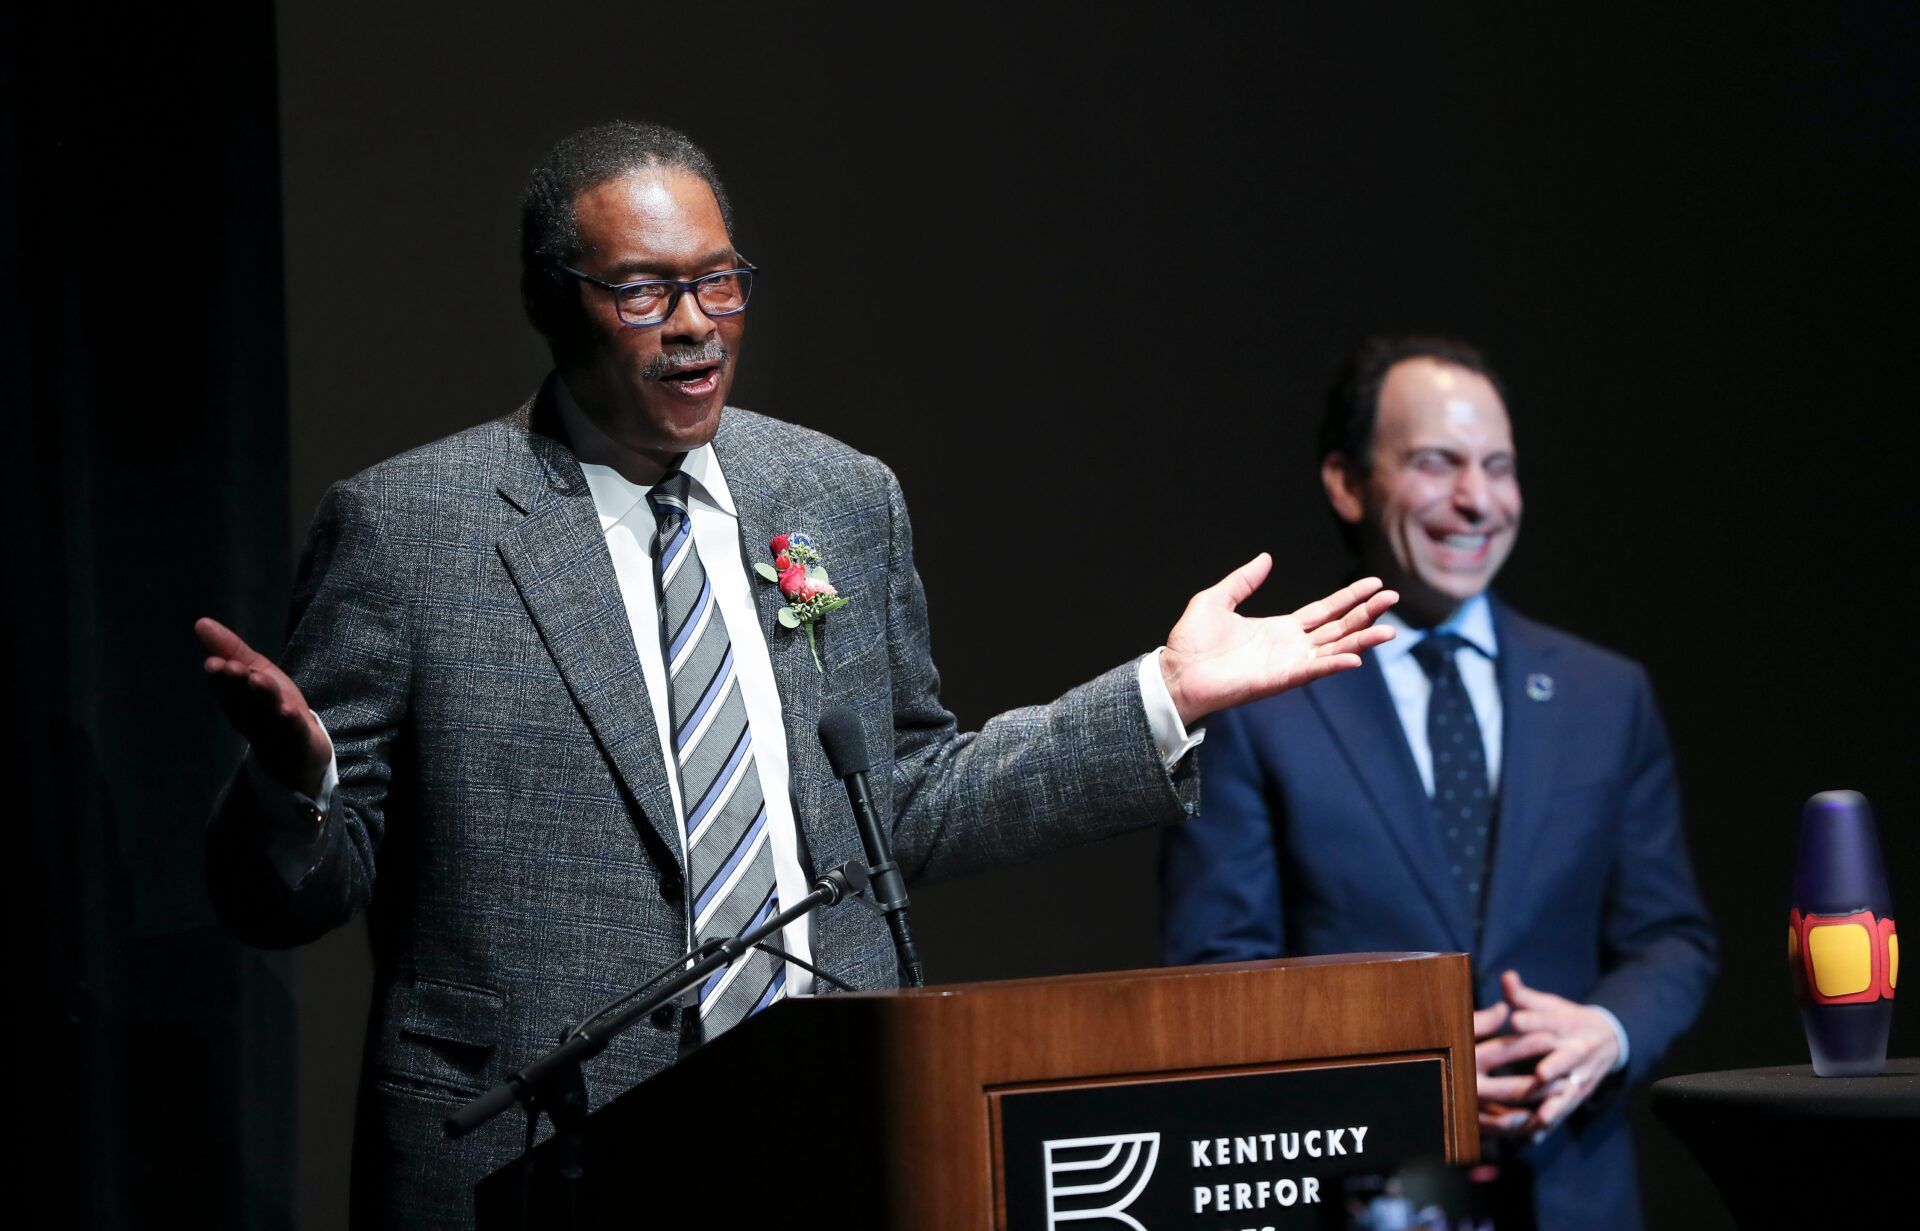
1079 274
143 374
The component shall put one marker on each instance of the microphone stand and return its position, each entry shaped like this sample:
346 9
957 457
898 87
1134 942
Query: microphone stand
889 883
555 1084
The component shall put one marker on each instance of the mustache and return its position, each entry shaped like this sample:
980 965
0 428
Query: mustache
711 353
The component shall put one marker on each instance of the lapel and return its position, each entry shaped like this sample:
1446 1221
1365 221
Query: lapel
557 557
1359 711
1530 736
767 506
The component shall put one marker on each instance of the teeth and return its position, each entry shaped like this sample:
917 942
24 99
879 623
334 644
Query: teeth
1466 542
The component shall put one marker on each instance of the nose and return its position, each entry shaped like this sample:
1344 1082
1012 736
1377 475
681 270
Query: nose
1471 497
688 322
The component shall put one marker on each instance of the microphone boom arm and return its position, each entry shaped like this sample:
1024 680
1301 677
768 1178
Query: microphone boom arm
591 1037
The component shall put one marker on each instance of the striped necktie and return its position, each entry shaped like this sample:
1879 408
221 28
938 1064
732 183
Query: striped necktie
729 861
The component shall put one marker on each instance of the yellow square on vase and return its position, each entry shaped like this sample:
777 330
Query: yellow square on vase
1842 956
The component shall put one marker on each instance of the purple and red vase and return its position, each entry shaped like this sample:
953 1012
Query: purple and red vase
1842 946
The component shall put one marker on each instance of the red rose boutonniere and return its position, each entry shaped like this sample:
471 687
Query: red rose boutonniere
802 577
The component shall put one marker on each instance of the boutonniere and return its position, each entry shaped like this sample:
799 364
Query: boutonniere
802 577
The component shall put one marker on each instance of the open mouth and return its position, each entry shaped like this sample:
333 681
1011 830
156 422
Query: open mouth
1460 548
693 382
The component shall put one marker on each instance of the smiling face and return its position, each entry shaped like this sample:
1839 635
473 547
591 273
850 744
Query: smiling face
1438 507
657 390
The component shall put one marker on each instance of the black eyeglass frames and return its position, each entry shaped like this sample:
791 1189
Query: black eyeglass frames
652 300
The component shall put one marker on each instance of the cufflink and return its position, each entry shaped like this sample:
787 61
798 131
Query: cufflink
1540 686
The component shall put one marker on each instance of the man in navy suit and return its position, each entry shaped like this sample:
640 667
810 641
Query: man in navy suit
1483 784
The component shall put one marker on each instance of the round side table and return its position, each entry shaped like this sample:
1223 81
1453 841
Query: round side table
1788 1149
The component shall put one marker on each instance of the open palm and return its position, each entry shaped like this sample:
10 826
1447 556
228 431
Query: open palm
1217 658
265 707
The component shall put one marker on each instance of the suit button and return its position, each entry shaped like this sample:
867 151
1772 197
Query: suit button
662 1017
671 887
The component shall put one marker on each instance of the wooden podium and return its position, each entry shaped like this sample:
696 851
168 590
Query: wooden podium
1044 1102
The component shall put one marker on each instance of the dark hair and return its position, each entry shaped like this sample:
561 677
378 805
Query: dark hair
1353 403
549 232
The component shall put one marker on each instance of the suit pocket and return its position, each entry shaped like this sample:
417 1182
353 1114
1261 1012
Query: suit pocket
407 1085
446 1037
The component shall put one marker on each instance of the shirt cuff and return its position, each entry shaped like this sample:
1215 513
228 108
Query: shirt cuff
1619 1034
292 842
1170 735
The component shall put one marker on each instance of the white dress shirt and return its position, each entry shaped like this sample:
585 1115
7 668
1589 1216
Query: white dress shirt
627 521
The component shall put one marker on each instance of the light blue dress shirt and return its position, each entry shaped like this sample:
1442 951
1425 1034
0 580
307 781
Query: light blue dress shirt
1410 688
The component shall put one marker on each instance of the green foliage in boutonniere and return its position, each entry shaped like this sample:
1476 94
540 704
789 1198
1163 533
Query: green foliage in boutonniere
801 574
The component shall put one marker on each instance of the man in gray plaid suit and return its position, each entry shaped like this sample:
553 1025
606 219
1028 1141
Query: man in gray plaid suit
540 717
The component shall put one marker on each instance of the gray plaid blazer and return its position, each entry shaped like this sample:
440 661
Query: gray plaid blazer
503 810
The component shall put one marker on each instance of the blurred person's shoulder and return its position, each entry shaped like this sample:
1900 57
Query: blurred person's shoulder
1576 658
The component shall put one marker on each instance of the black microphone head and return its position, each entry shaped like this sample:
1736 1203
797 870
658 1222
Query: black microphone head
845 742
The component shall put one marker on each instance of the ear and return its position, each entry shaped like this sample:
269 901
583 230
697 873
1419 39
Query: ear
1343 483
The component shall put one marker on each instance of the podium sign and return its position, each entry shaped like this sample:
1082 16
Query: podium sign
1260 1145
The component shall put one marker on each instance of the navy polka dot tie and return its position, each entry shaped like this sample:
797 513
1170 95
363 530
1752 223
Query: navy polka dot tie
1463 802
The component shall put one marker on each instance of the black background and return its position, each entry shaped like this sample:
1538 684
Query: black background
1079 273
143 380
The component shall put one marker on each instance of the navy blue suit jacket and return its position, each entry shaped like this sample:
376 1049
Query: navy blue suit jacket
1315 835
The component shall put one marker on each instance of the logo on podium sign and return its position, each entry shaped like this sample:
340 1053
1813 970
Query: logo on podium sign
1098 1177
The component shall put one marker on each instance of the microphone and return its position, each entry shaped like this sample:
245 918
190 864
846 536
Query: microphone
846 747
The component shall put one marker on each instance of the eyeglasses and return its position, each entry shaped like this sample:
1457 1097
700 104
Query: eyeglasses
652 301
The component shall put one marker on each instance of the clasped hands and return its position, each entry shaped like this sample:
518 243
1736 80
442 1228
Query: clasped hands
1578 1049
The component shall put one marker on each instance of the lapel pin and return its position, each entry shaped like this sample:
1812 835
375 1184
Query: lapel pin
1540 686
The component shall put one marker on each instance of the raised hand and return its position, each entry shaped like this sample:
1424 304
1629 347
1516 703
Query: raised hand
266 707
1216 658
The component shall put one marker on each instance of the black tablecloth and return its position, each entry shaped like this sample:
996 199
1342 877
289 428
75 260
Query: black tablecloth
1787 1148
